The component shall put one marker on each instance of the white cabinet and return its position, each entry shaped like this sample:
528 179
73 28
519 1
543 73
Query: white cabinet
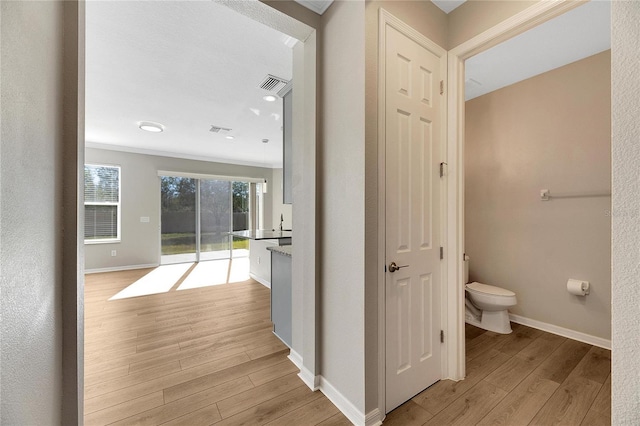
260 260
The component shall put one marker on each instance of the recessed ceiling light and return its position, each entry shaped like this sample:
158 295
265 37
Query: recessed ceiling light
230 137
151 127
265 140
269 98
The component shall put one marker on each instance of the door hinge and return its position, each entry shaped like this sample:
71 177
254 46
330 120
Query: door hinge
441 253
442 166
442 87
441 336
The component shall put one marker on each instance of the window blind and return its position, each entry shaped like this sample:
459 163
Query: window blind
101 203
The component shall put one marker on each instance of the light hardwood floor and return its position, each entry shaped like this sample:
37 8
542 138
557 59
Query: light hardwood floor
208 356
528 377
190 357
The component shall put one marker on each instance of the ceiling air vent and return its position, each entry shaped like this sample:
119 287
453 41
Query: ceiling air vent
273 83
217 129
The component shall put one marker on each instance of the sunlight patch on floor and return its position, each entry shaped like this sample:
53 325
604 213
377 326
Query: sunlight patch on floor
216 272
160 280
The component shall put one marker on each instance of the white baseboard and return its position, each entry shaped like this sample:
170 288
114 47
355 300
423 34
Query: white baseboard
374 418
561 331
350 411
262 281
295 358
121 268
312 381
309 379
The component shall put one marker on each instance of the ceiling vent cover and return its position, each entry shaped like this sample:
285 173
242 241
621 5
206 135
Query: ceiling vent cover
218 129
272 83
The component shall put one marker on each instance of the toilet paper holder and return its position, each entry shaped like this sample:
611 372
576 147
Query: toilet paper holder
578 287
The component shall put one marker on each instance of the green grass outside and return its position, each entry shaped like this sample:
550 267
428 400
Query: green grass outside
185 243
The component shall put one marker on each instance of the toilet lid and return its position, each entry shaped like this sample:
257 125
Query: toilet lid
489 289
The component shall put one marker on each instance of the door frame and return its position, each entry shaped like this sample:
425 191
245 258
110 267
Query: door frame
387 19
453 365
304 218
513 26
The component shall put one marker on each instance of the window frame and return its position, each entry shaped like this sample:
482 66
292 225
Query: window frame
118 205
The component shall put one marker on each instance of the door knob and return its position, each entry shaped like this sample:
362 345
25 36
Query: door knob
393 267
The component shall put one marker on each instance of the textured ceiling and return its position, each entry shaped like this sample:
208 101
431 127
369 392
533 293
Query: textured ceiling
190 65
577 34
187 65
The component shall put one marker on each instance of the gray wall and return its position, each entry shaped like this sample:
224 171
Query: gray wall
341 190
31 212
553 132
625 87
140 193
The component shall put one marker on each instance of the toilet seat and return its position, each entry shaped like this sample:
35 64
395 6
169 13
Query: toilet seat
479 288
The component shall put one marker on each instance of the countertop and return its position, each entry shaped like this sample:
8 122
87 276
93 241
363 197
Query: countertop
262 234
283 250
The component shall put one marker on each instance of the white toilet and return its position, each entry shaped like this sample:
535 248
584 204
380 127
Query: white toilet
487 305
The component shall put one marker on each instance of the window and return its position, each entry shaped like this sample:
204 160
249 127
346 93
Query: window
101 204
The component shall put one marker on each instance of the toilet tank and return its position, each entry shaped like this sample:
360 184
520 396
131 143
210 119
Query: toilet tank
466 269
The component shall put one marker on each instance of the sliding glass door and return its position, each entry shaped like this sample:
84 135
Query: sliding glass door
240 202
178 219
215 219
197 216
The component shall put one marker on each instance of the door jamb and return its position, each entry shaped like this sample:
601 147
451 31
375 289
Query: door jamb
517 24
387 19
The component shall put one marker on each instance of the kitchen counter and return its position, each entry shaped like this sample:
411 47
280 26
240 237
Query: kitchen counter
263 234
284 250
260 241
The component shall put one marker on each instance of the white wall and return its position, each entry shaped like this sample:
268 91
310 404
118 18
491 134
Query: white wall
625 46
551 132
31 212
341 200
140 191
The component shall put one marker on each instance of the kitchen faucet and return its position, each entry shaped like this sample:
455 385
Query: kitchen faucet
281 220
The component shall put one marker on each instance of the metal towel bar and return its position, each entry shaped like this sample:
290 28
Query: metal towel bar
545 195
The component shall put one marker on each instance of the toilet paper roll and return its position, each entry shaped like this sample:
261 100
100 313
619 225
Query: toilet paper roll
578 287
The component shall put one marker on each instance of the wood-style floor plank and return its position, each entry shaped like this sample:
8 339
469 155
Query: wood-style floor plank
272 409
336 420
176 357
408 414
124 409
562 361
235 404
521 404
595 366
520 338
208 356
511 373
443 393
569 404
526 377
602 404
185 406
473 405
311 414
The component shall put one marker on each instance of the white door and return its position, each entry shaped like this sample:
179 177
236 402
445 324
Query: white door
414 110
